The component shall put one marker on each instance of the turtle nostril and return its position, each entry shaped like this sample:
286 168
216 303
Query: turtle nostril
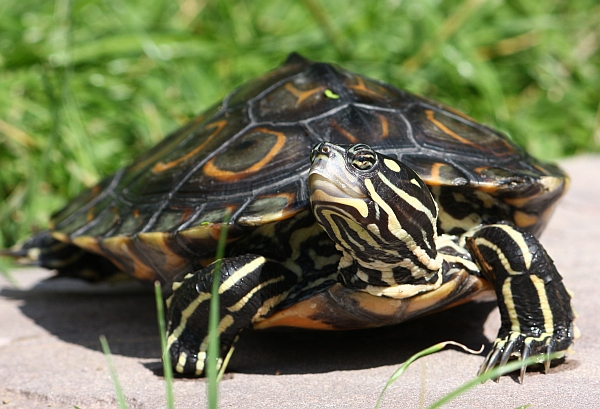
320 149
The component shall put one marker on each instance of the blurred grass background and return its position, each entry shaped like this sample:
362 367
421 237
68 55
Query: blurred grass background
86 85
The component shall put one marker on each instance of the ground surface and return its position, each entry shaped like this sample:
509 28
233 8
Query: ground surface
50 354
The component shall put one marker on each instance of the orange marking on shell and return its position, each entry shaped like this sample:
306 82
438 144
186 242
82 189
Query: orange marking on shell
136 213
385 126
519 201
60 236
186 214
476 288
459 113
190 127
435 179
212 170
88 243
480 289
445 129
161 166
360 87
297 316
540 168
90 215
523 219
510 147
344 132
215 228
119 248
158 243
302 95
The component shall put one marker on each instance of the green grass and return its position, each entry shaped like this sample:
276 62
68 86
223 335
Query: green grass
166 356
212 357
87 85
495 373
113 373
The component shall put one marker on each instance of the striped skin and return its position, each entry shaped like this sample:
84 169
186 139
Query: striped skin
388 239
535 307
250 286
392 266
395 255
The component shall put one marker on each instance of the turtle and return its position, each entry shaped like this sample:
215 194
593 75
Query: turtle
348 204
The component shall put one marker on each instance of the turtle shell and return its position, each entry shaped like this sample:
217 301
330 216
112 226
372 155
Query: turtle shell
249 156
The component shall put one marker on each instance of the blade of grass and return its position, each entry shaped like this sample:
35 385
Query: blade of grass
167 368
493 374
451 25
5 266
113 373
324 22
225 363
409 361
213 323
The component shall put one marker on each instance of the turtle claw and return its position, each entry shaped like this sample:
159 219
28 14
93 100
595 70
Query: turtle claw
524 356
518 345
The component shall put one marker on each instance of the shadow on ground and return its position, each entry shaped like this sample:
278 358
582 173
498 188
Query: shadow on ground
128 320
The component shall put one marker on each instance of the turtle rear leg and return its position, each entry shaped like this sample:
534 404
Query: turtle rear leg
535 307
250 288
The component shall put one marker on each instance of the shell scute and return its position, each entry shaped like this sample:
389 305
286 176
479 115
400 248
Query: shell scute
367 91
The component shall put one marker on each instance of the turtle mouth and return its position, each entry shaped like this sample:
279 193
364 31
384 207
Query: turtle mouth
327 182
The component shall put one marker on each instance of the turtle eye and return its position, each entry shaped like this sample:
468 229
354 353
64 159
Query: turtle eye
362 157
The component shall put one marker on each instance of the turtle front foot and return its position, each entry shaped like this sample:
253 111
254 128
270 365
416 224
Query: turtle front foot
535 307
521 346
250 287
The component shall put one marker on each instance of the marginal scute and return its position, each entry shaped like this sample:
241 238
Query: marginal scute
121 251
157 249
524 220
268 209
86 242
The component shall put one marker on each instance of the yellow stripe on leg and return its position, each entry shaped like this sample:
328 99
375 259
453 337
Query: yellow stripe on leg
510 305
544 304
247 269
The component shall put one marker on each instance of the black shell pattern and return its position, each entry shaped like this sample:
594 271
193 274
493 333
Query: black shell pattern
249 155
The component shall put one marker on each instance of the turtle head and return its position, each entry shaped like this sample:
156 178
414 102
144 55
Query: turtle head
379 213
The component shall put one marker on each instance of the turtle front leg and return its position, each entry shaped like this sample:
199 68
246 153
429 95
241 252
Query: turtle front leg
535 307
250 288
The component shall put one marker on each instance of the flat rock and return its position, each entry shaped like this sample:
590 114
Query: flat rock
50 354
